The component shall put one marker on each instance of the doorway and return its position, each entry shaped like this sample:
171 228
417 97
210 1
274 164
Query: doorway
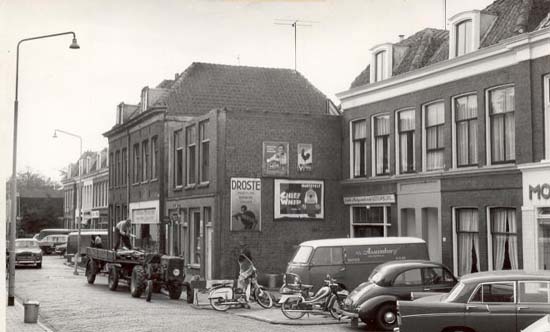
430 233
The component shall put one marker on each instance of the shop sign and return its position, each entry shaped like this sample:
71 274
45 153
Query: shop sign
540 190
299 199
246 204
144 216
275 159
374 199
305 157
95 214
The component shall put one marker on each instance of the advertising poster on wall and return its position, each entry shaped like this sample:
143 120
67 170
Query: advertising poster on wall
275 159
246 204
299 199
305 157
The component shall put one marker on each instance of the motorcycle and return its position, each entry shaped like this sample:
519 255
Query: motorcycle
224 296
296 299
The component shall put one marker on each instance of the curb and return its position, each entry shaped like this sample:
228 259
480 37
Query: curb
44 326
297 322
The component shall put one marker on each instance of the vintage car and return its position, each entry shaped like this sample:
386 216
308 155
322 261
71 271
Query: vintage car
374 301
502 301
27 252
50 242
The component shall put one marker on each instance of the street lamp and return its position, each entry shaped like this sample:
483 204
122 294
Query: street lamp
11 287
77 254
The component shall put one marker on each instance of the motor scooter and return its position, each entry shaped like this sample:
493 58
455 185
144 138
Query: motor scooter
224 296
296 299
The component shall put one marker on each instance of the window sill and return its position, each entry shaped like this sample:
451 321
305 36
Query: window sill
178 188
203 184
190 186
154 180
144 182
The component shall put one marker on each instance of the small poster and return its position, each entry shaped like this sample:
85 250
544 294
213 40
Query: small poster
299 199
275 159
246 203
305 157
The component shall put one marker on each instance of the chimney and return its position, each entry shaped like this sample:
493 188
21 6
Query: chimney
401 38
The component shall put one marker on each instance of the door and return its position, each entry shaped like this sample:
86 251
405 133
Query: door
533 302
430 233
327 260
208 256
492 302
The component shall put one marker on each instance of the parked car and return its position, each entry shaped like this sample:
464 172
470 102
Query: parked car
374 301
497 301
49 242
27 252
61 249
351 260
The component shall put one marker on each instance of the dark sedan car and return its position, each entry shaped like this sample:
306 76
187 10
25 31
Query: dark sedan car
498 301
374 301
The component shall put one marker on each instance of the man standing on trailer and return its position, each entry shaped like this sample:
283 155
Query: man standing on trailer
122 233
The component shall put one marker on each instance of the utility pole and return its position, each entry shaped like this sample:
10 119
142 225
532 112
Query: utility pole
294 24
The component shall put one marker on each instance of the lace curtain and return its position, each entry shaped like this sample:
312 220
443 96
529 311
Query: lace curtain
468 241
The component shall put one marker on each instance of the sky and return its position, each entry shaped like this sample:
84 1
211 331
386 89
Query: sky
129 44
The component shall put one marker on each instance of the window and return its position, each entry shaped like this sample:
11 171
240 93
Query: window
408 278
302 255
124 166
328 256
547 116
145 160
117 169
502 129
437 276
504 238
196 237
190 133
154 157
463 37
543 218
534 292
381 144
178 158
501 292
435 141
359 146
111 171
405 128
465 113
371 221
380 65
204 158
136 166
467 229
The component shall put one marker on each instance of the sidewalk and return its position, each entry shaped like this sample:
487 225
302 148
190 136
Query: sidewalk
14 320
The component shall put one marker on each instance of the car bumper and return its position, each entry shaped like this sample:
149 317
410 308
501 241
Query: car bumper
27 262
347 313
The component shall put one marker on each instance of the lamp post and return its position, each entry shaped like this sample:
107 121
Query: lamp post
77 254
11 286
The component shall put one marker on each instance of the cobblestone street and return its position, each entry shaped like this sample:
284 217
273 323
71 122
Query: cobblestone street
68 303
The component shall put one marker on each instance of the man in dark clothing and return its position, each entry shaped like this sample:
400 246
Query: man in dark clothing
122 233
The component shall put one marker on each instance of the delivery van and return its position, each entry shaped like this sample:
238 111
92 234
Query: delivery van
351 260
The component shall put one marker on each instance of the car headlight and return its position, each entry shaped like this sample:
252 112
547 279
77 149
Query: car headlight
176 272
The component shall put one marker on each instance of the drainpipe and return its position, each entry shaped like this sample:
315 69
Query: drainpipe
162 194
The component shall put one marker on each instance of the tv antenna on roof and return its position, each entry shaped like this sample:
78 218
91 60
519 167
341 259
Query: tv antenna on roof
295 23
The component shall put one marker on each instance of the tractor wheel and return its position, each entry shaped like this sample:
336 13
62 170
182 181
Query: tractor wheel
113 278
90 271
174 290
137 281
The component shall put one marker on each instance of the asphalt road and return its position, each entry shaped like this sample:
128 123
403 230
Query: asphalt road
69 303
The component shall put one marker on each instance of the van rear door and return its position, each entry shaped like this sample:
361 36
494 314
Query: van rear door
327 260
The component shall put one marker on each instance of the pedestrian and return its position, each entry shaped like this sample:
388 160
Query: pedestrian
122 233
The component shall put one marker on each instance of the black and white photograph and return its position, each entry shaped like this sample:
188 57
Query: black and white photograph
275 165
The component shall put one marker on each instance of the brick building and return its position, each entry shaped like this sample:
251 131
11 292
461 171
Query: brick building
437 130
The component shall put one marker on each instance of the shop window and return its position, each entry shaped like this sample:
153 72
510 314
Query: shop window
191 154
195 255
154 157
124 166
359 147
502 128
504 239
204 158
145 160
463 37
370 221
136 165
405 140
178 158
465 115
467 229
543 216
381 139
434 142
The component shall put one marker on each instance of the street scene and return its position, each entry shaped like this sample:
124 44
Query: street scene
275 165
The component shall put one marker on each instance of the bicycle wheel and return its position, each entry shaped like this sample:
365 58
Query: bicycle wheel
219 304
263 298
290 308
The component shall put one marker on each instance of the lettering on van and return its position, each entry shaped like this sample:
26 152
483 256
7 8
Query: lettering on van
376 252
383 253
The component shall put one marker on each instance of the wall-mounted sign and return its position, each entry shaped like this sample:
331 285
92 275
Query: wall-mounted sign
305 157
246 204
144 216
275 159
95 214
299 199
374 199
539 191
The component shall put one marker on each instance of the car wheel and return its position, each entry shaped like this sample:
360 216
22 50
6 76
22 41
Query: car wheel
39 265
386 317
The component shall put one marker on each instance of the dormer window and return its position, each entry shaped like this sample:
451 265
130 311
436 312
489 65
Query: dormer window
381 62
463 37
144 99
